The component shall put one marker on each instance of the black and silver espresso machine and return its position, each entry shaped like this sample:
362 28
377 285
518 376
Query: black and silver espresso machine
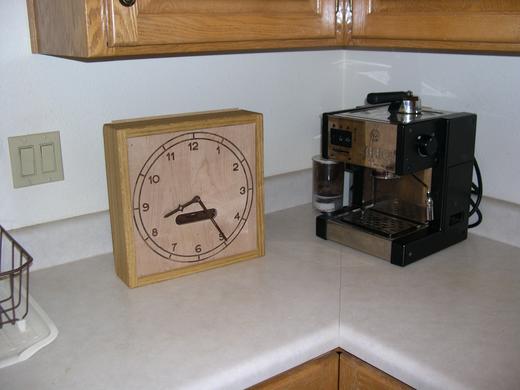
410 177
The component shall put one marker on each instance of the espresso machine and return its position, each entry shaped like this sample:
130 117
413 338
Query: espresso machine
410 176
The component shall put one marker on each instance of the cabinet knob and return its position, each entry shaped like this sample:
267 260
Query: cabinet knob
127 3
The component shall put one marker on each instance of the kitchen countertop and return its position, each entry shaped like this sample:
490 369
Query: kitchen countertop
451 320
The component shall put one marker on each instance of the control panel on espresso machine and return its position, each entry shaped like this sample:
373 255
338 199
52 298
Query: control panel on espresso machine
411 177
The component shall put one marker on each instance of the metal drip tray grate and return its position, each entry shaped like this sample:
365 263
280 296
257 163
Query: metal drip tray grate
401 209
379 223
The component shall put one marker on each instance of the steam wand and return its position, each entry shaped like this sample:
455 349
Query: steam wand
429 199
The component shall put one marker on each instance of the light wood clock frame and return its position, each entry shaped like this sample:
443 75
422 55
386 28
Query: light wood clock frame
185 193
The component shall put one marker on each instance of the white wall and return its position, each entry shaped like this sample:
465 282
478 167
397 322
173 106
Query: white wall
486 85
41 93
89 235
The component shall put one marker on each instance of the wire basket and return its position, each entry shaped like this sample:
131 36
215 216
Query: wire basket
14 279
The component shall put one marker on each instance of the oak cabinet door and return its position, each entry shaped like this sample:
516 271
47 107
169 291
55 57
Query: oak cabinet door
474 25
317 374
107 28
170 22
355 374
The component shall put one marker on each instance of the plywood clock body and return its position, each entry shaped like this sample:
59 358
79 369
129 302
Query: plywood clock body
193 197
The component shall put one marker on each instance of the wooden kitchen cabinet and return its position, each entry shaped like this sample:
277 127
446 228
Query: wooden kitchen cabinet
107 28
455 25
336 370
355 374
317 374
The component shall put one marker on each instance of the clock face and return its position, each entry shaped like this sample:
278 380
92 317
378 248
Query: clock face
193 195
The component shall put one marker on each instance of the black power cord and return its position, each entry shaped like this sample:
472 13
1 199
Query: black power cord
476 190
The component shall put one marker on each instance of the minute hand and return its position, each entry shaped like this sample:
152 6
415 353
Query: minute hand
212 219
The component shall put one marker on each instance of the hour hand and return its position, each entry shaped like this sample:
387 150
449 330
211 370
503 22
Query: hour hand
195 216
196 199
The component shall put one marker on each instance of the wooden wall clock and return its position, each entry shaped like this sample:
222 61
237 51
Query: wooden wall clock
185 193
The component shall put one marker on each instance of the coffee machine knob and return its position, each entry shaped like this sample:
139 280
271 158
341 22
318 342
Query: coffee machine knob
427 145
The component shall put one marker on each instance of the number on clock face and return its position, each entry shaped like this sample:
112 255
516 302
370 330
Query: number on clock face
193 196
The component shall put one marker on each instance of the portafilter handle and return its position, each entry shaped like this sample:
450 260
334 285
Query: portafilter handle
403 103
387 97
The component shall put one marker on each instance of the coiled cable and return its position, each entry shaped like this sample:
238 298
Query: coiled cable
476 191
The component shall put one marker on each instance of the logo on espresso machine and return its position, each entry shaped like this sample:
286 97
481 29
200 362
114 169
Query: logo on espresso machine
374 135
376 154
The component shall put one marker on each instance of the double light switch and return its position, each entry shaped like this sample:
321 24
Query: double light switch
36 159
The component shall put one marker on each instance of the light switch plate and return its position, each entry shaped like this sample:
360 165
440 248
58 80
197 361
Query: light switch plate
35 159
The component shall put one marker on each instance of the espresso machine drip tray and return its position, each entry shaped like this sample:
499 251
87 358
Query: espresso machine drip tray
402 210
379 223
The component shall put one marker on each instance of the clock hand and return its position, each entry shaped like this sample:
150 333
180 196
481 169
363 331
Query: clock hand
195 216
212 219
180 207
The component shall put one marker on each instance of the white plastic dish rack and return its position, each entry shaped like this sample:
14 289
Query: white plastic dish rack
24 327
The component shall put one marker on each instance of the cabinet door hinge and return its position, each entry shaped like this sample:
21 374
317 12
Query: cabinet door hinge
348 15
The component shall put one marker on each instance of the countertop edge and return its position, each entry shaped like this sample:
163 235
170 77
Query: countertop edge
389 360
271 363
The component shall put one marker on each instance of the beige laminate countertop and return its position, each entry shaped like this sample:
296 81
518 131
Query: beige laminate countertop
450 321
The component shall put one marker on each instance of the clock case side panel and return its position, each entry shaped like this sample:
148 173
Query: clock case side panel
185 122
260 184
119 197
